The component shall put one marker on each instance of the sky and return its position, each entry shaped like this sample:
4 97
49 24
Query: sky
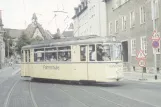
17 14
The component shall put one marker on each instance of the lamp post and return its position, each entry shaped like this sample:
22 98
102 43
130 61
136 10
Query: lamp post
8 47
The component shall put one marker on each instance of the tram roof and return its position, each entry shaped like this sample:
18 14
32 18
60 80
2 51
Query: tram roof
71 41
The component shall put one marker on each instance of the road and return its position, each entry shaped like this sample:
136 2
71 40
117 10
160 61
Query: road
17 92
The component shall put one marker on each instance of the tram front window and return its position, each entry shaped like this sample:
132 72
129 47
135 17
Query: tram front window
103 52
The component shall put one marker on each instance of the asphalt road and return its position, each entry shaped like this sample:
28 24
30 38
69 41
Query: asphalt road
17 92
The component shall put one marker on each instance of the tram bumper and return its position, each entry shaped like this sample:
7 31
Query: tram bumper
117 76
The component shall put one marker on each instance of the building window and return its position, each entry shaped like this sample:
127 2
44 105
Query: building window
142 15
110 28
133 47
124 23
132 19
155 9
144 44
116 26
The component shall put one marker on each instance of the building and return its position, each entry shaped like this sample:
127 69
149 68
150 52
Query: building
131 21
35 30
90 18
2 44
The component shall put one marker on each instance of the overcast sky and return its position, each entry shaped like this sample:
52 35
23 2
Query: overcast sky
16 12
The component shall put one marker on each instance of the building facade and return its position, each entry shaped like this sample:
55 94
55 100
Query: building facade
90 18
2 44
131 21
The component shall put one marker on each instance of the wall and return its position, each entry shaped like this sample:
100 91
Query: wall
137 31
92 21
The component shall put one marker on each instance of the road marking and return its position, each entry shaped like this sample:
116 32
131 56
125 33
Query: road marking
129 98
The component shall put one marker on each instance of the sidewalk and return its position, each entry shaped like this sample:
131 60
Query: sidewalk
136 76
5 68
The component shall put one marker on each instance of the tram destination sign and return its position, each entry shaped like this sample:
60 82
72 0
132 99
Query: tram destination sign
51 67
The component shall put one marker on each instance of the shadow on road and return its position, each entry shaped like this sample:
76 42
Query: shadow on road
78 83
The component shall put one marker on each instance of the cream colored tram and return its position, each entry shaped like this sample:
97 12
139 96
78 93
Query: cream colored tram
91 59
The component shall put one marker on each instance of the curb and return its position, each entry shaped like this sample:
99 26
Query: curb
144 80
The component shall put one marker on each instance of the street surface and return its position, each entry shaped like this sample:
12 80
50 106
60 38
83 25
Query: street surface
17 92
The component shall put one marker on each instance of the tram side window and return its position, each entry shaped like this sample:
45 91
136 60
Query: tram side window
51 54
82 53
39 55
92 53
64 53
103 52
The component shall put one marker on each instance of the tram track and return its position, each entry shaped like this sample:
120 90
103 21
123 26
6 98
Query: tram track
32 96
71 96
143 102
129 98
10 93
114 98
103 98
118 105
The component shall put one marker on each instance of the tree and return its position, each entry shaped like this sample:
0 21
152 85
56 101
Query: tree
8 44
25 40
22 41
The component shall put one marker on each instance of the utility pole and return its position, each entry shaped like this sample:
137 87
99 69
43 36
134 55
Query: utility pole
154 29
8 48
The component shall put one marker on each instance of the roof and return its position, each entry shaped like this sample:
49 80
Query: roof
68 34
70 41
30 30
14 33
77 15
48 34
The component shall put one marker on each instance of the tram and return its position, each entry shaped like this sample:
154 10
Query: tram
90 58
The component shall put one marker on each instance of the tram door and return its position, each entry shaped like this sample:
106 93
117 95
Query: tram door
83 53
91 67
27 60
